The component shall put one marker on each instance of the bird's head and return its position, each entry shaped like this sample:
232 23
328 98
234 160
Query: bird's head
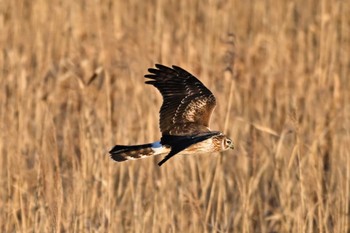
226 143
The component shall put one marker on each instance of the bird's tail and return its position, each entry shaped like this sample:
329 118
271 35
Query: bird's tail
121 153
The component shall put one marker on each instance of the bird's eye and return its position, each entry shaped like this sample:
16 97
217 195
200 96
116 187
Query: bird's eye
228 141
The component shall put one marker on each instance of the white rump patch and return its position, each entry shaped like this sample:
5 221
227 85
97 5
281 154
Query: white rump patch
158 148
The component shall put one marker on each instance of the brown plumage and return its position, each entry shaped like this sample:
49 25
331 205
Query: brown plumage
187 103
184 118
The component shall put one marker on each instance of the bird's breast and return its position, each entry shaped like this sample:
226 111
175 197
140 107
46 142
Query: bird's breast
206 146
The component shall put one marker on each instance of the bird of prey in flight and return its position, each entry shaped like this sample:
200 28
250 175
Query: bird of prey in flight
184 119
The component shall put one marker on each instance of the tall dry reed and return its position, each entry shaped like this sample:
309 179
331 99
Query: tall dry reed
72 86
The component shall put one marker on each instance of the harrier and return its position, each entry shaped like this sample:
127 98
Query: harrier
184 119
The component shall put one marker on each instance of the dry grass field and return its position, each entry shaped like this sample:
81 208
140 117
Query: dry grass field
72 86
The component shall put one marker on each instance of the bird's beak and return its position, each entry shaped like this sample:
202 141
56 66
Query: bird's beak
232 146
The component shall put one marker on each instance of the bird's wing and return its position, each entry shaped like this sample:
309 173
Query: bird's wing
186 101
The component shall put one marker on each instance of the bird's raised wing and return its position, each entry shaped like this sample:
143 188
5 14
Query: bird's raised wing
187 103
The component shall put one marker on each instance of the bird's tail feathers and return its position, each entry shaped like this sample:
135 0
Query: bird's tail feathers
121 153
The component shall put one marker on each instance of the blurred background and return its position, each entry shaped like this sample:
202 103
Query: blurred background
72 86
